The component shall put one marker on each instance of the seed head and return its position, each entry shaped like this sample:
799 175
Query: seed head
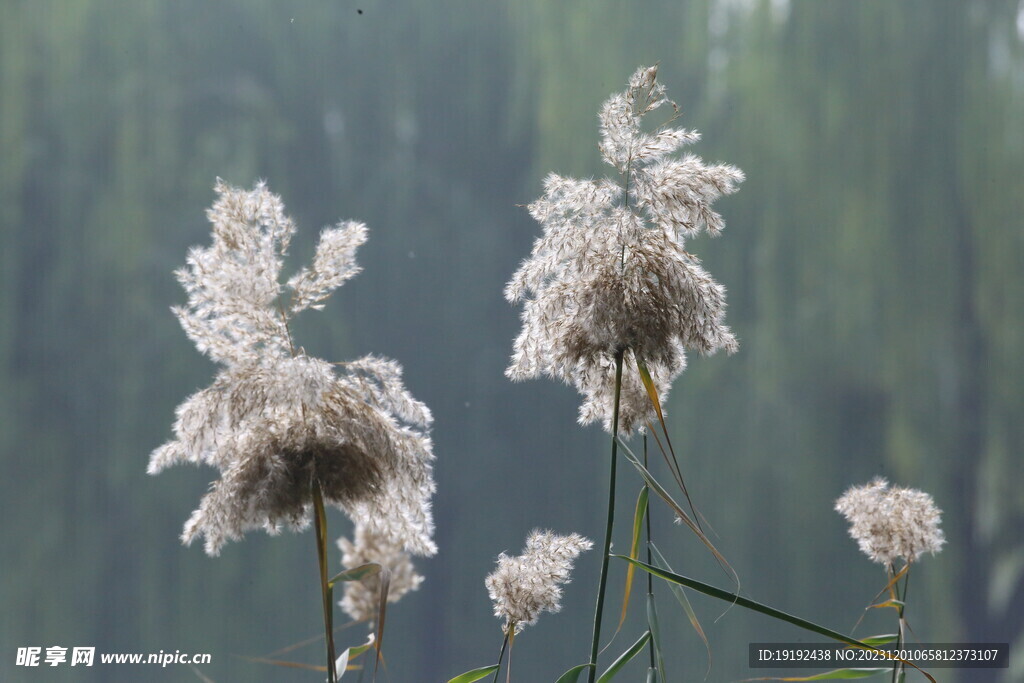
522 587
891 523
275 420
362 598
610 272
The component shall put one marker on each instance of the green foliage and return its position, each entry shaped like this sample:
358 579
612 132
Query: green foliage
573 674
624 659
475 674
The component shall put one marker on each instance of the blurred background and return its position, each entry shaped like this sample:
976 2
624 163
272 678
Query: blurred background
873 259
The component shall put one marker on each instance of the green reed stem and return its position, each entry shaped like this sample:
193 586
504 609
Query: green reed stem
320 516
902 597
592 673
501 655
511 644
650 577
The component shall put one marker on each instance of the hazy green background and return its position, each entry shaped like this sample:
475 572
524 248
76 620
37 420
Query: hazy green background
873 259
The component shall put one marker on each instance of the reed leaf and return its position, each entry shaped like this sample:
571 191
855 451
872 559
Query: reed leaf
475 674
655 627
573 674
625 658
356 573
634 552
880 640
673 463
685 518
835 675
680 594
758 607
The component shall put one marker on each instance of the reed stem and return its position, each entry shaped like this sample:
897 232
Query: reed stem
592 672
320 516
501 655
897 666
650 577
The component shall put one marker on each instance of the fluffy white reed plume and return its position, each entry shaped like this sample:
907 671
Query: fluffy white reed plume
610 272
362 598
275 420
892 523
522 587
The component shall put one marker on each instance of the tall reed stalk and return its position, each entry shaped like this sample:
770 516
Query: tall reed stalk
592 671
650 577
320 517
898 670
501 656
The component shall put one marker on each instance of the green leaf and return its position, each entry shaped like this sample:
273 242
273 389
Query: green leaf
573 674
837 674
742 602
356 573
634 551
360 649
880 640
680 513
342 664
624 658
655 628
756 606
475 674
680 594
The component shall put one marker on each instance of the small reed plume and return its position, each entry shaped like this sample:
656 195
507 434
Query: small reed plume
892 523
362 598
523 587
